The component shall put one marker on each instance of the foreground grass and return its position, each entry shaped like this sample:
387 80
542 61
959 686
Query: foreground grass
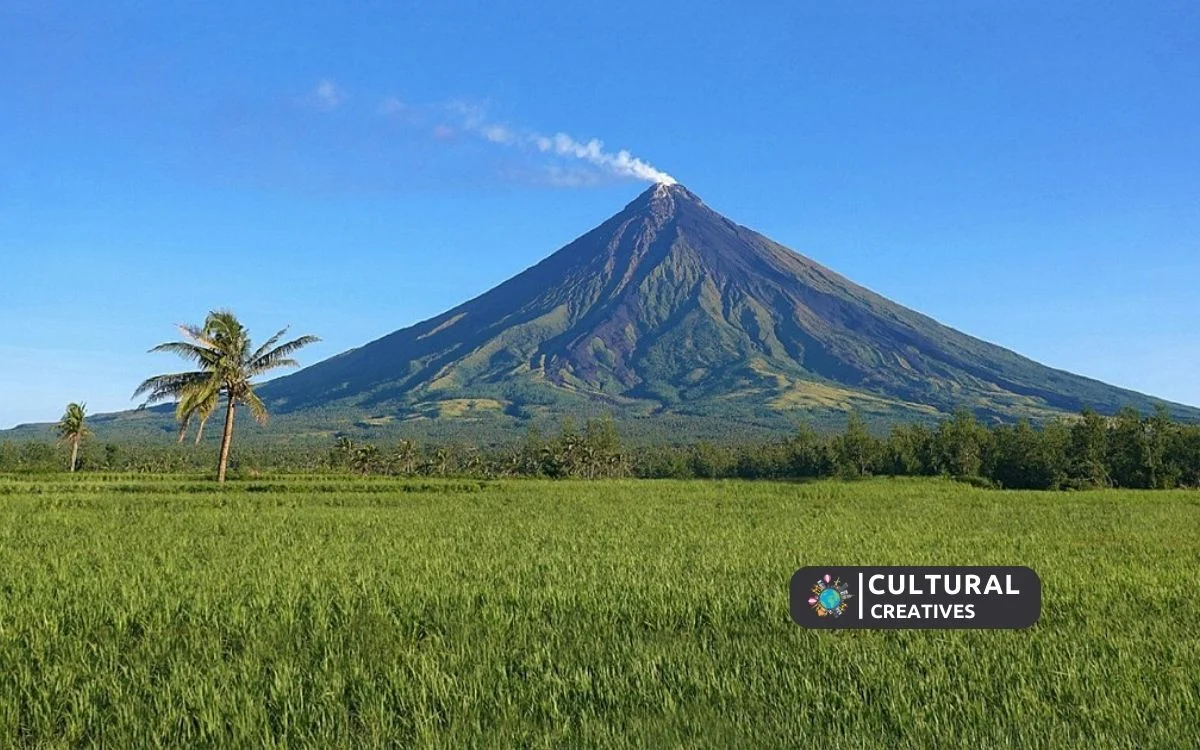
342 613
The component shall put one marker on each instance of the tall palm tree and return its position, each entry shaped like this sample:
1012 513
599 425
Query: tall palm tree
72 429
227 363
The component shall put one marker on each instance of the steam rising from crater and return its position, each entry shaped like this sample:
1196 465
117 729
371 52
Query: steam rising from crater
619 164
622 163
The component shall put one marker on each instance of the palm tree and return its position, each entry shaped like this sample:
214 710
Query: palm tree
71 429
364 459
227 363
406 456
343 451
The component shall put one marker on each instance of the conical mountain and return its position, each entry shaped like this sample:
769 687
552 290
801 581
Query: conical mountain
669 308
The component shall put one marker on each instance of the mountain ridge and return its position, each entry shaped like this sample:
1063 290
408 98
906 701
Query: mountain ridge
669 309
667 303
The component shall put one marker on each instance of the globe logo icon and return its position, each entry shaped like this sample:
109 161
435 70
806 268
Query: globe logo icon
829 596
830 599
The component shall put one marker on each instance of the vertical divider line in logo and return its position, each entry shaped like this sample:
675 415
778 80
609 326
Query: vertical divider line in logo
861 591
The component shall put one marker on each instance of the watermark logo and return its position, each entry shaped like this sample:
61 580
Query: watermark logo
976 597
829 596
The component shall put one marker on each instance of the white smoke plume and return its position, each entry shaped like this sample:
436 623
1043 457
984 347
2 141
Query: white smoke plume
620 164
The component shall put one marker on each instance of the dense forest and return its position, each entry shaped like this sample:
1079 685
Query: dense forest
1129 450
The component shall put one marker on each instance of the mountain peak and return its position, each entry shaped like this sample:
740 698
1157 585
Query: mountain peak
673 189
664 198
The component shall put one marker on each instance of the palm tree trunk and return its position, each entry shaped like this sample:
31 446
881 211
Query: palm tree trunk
74 453
226 441
200 431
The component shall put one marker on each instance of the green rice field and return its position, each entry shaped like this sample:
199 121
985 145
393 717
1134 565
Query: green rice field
334 612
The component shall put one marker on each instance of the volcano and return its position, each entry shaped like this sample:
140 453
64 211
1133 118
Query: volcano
669 308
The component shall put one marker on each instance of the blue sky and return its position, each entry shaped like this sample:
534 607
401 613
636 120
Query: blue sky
1027 174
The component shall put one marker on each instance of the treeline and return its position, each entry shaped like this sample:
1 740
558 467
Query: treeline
1128 450
40 457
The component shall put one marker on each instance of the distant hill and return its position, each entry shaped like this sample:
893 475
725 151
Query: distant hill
672 315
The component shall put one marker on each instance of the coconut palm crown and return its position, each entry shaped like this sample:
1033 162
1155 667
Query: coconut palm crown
227 363
72 429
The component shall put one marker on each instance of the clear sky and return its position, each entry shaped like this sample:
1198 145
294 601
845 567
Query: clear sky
1027 172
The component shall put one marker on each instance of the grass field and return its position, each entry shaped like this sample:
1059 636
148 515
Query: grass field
325 612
